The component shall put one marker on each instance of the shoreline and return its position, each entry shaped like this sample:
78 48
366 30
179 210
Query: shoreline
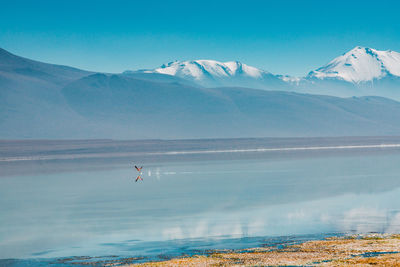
359 250
336 250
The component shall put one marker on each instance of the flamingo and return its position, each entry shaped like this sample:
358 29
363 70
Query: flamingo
140 173
138 169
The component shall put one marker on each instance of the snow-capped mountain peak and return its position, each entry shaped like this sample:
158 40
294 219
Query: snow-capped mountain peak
199 69
360 64
212 73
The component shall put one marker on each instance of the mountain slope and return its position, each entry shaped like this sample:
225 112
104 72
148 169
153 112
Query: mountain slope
30 97
19 70
154 110
158 77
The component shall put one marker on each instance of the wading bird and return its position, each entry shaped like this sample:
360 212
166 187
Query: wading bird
138 169
140 173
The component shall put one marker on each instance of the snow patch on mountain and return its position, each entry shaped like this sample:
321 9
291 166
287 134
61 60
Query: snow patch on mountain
290 79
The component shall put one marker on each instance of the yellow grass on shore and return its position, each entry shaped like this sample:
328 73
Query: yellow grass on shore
379 250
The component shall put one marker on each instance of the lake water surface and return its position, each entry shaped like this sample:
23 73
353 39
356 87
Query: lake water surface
63 205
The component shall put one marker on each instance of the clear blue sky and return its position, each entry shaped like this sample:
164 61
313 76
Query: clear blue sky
283 37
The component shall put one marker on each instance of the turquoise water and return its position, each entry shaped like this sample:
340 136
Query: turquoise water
197 203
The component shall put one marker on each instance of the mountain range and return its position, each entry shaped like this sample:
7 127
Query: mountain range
200 99
359 72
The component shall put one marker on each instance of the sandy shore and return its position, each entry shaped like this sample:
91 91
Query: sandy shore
380 250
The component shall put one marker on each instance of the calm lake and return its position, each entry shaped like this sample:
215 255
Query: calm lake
79 198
